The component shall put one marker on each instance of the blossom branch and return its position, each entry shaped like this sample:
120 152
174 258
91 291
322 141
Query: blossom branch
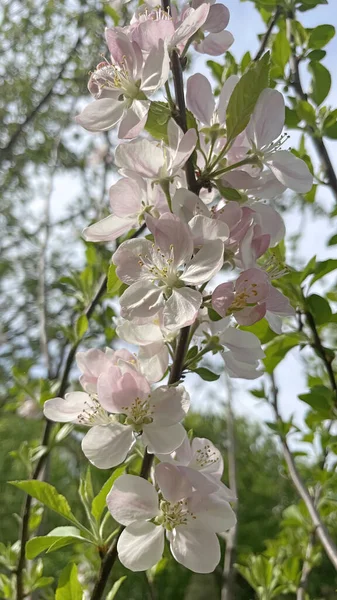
297 86
319 528
322 352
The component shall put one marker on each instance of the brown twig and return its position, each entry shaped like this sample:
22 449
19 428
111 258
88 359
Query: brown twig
265 39
296 83
319 528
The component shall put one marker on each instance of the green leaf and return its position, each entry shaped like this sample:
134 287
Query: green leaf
308 269
206 374
316 54
245 95
262 330
109 10
330 125
69 587
319 308
279 347
323 268
114 283
99 502
81 326
281 50
113 592
320 83
333 240
320 398
158 117
291 118
306 112
321 35
58 538
48 495
217 70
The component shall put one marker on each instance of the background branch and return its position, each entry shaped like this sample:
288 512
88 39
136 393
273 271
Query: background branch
320 529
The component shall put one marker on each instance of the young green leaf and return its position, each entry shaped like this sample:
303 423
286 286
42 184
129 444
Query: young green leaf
206 374
245 95
69 587
320 83
321 35
114 283
48 495
99 502
113 592
58 538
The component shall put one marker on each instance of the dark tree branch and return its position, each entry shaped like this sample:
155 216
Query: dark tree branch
319 528
265 39
296 83
6 151
321 351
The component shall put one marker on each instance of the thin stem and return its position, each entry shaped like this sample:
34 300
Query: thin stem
321 351
320 529
297 86
241 163
265 39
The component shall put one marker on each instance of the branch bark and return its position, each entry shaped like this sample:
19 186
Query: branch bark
318 142
265 39
319 528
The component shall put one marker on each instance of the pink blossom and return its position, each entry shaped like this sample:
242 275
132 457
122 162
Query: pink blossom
249 298
121 88
154 161
189 522
139 197
153 416
158 274
264 131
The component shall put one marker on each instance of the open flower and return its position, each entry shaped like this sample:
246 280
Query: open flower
154 161
241 350
218 40
139 198
152 416
150 27
122 88
202 456
249 298
189 522
264 131
158 273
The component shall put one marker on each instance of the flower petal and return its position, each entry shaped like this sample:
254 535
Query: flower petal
101 114
131 499
204 229
163 440
173 484
200 98
225 95
170 404
108 229
107 446
190 25
197 549
218 18
267 120
215 44
205 264
156 69
141 299
154 360
290 171
143 156
141 546
68 409
214 513
127 259
171 235
181 309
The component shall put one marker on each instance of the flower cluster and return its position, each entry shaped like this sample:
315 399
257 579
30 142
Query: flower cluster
204 267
